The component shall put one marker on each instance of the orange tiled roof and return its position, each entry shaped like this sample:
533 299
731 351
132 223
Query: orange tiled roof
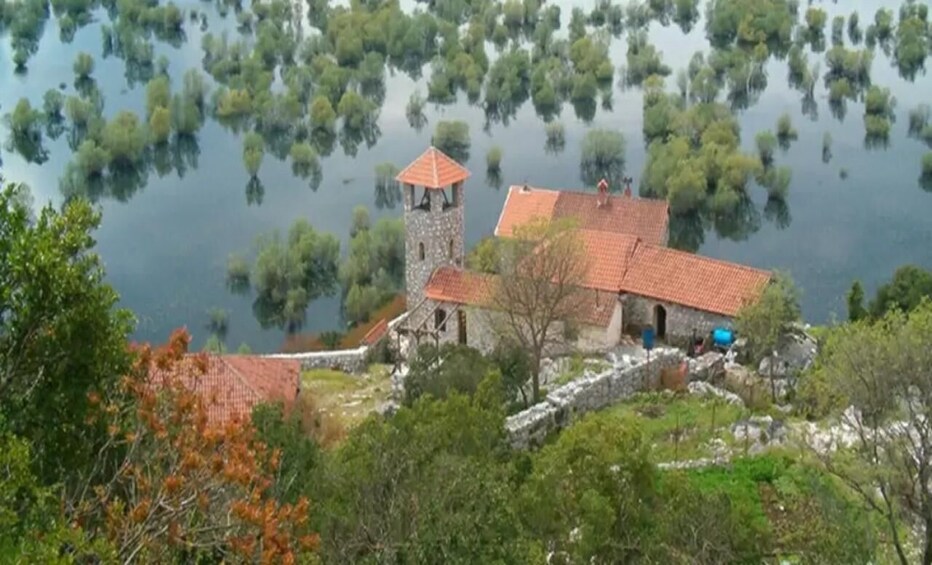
449 284
433 169
234 384
645 218
691 280
608 256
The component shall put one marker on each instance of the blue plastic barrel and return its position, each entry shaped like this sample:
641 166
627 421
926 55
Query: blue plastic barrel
723 337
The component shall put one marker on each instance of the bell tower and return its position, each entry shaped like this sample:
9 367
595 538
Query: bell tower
433 201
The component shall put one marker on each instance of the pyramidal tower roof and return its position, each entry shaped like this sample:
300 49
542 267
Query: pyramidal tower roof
433 169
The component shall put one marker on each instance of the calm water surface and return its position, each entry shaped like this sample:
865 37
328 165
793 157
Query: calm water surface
166 247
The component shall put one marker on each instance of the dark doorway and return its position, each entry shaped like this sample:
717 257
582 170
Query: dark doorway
461 326
660 321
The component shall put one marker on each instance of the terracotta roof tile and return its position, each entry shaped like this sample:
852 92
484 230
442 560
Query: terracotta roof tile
234 384
692 280
522 206
608 255
376 332
433 169
449 284
645 218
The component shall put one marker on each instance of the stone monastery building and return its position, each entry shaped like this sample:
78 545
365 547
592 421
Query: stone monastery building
633 280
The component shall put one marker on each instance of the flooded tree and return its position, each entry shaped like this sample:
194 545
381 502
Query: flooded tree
925 178
253 152
786 133
766 144
125 139
555 135
603 156
878 116
452 137
83 66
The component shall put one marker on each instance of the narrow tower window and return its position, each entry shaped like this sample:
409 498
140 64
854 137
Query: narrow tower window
450 251
420 251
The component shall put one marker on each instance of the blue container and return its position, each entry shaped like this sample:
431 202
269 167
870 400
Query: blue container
647 338
723 337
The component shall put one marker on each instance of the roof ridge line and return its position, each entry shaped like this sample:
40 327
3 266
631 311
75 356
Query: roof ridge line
712 259
242 379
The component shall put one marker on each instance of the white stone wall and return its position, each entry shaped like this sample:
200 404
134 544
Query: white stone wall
351 361
568 403
681 321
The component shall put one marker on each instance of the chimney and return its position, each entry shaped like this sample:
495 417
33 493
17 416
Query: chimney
603 192
627 181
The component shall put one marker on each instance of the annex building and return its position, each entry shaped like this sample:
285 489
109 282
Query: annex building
633 279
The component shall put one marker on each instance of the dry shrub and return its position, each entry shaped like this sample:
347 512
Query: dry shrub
327 429
674 378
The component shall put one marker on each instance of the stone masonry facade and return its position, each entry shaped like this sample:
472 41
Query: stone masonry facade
639 312
433 236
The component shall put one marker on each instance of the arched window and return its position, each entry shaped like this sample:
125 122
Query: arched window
420 251
451 249
440 319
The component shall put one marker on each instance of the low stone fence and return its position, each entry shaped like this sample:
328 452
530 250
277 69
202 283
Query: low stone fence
568 403
351 361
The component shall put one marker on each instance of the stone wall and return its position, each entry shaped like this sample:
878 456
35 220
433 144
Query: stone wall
437 229
351 361
568 403
681 321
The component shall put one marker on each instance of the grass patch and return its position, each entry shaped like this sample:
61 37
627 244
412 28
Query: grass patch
680 427
350 398
794 509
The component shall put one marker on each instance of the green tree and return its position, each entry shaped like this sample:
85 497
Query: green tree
83 66
452 137
52 104
24 120
603 157
290 433
253 152
604 513
910 284
62 338
160 124
763 322
442 454
303 159
289 274
485 256
815 21
766 144
323 116
855 301
354 109
441 371
125 139
91 158
158 94
880 370
493 159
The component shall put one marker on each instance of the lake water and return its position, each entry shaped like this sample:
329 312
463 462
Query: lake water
166 247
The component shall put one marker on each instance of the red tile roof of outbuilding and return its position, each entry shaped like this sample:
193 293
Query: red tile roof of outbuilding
234 384
433 169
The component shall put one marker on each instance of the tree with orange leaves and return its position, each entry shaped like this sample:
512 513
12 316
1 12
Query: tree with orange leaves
186 489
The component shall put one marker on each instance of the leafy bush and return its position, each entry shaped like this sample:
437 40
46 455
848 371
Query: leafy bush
452 137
